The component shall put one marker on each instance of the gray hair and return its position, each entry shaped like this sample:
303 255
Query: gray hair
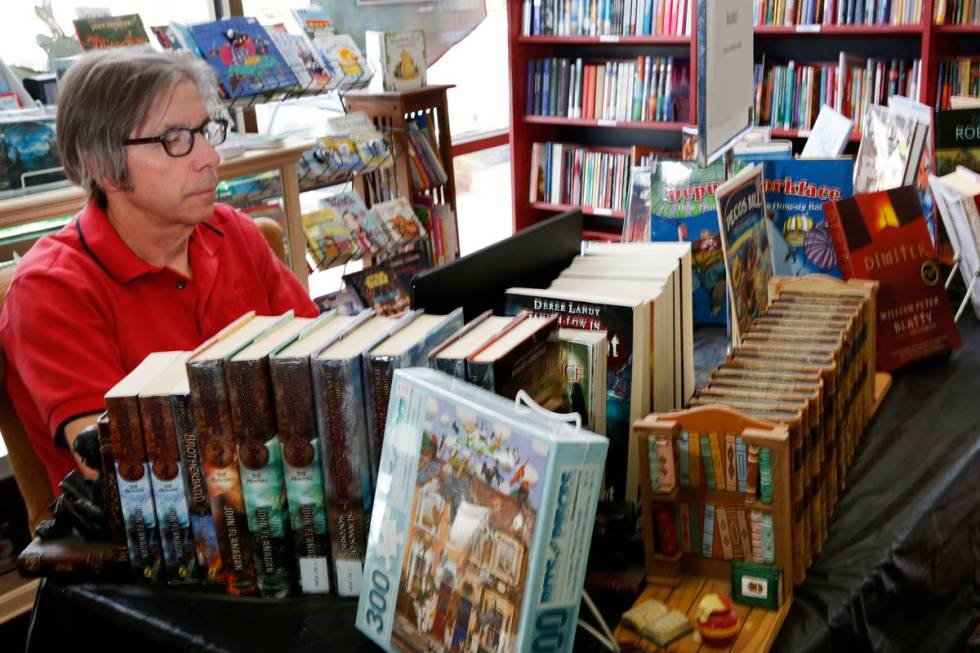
106 96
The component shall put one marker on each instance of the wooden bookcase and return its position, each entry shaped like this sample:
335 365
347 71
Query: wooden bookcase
391 112
924 40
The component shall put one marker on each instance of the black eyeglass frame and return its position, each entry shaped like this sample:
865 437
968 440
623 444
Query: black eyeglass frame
162 138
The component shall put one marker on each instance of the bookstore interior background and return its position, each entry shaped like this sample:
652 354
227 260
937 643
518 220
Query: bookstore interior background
693 284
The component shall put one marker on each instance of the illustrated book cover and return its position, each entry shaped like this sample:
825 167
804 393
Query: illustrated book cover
744 233
399 221
110 31
328 237
399 55
883 236
796 190
380 288
481 532
29 157
368 234
957 140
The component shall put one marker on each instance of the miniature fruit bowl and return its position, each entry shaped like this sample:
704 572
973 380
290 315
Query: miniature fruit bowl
716 621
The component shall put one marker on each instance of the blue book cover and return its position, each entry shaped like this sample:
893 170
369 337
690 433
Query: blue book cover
481 533
796 190
682 208
245 59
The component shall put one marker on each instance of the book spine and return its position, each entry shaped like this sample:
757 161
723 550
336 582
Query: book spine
836 229
707 542
378 371
684 459
348 538
253 419
342 427
765 476
86 560
695 445
302 461
755 528
209 398
731 470
752 471
135 493
741 465
743 534
110 483
169 498
724 533
665 460
717 461
452 366
694 509
196 491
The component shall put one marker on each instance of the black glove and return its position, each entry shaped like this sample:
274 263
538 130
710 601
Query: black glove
86 445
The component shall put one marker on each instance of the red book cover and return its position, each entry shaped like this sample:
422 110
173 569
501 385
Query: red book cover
884 236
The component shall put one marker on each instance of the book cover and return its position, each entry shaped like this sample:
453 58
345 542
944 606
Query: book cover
343 59
530 362
682 208
745 242
400 56
957 140
626 328
796 190
883 236
584 356
28 154
166 37
380 288
481 537
71 559
110 483
314 21
328 237
289 47
399 221
110 31
243 55
344 301
368 234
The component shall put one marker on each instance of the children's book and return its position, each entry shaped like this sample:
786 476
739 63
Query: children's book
829 135
110 31
682 208
381 289
487 508
883 236
328 238
958 203
166 37
243 55
745 242
796 190
29 158
343 59
399 220
366 231
399 56
314 22
344 302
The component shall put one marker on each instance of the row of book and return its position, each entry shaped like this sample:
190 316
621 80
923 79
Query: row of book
573 174
956 12
957 76
789 96
837 12
249 58
426 166
714 530
606 17
647 89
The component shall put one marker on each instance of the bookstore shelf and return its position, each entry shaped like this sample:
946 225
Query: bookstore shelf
609 39
586 210
838 30
957 29
584 122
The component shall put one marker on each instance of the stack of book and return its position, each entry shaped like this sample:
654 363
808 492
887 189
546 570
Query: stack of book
639 294
607 18
427 169
646 89
577 175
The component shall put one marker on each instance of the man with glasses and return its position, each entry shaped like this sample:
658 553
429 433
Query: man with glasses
150 264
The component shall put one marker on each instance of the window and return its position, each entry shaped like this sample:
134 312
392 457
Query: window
506 558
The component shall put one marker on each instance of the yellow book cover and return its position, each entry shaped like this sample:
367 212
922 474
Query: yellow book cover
717 461
694 445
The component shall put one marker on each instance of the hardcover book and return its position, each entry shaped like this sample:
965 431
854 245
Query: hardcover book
71 559
212 416
745 243
302 453
167 474
796 190
883 236
132 469
314 21
260 454
400 56
626 323
957 140
683 208
243 55
450 357
343 59
28 153
110 484
481 537
110 32
409 346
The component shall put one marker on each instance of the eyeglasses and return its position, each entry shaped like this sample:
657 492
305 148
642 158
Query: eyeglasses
179 141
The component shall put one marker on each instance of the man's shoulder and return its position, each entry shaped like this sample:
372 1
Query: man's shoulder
59 255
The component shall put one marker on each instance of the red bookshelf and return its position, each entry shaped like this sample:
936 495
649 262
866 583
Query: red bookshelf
586 210
924 40
801 133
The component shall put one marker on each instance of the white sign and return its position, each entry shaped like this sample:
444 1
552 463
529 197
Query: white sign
726 87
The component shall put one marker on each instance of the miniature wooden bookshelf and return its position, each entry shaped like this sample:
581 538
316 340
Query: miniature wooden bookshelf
391 112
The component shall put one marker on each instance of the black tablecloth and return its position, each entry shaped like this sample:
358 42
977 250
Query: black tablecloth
899 572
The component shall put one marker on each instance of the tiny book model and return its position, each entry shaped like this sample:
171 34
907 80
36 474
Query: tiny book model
481 533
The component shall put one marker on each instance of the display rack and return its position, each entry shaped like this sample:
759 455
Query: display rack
391 112
68 200
801 42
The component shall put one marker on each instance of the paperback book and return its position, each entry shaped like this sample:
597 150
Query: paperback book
110 32
367 233
328 237
957 140
796 190
243 55
745 242
380 288
489 509
399 55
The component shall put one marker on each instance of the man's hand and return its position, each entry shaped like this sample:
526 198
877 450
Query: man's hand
72 429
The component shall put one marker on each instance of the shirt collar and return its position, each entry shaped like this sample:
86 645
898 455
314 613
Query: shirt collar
99 238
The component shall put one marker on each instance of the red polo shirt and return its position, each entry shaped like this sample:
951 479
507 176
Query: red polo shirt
83 310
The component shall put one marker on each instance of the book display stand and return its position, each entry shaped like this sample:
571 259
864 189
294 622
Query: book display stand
681 578
391 112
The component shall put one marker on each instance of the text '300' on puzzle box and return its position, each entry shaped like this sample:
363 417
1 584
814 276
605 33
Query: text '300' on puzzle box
482 522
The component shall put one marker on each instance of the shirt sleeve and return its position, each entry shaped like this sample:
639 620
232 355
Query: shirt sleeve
284 290
61 339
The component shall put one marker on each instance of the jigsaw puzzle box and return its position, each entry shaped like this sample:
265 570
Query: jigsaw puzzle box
482 522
